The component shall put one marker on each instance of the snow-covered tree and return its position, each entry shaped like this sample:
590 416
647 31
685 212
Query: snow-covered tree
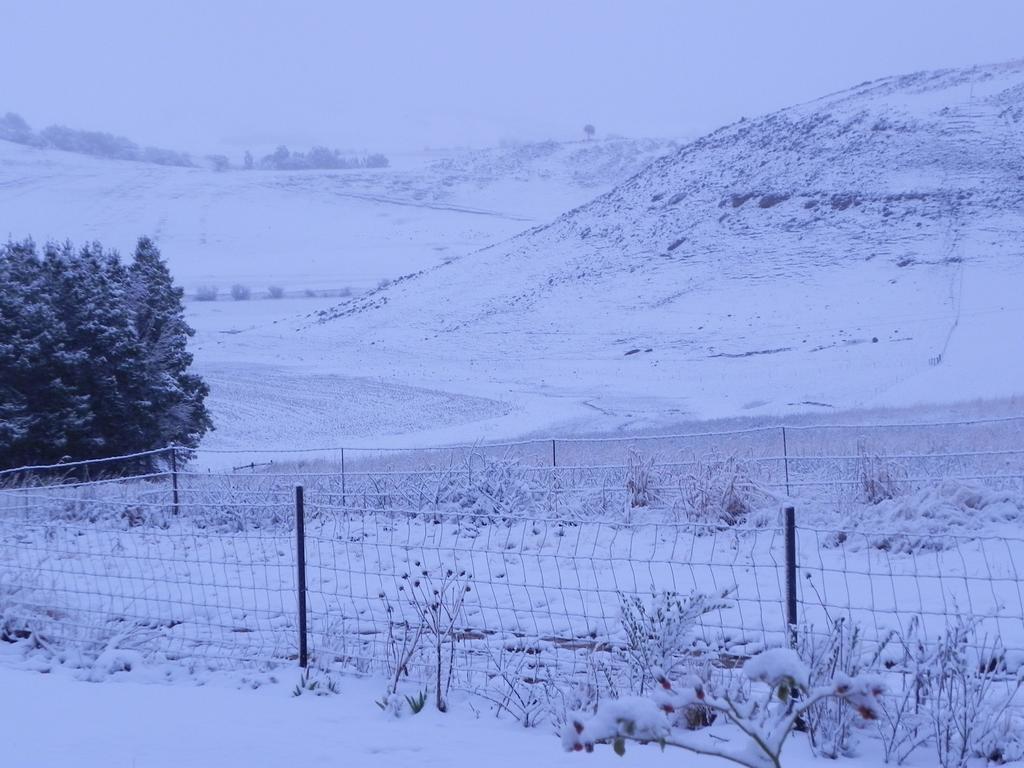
177 396
93 356
42 416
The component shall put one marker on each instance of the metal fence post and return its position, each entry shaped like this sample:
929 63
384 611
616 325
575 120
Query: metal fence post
343 502
785 459
300 561
791 617
554 457
174 479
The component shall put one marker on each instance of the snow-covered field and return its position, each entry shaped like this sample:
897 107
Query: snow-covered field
858 251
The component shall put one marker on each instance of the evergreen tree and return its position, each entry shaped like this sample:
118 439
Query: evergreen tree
42 417
177 396
91 297
93 356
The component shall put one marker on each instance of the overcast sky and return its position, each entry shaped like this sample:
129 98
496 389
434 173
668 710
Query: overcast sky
201 75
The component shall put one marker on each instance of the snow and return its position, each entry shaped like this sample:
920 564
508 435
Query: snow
857 251
777 666
54 721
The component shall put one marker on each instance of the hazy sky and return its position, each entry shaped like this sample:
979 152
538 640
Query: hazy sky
201 75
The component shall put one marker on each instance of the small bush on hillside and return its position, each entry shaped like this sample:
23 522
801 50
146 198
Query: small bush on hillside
207 293
275 292
240 292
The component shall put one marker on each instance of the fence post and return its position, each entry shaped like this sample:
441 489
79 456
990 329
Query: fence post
785 459
554 457
343 502
791 617
174 479
300 560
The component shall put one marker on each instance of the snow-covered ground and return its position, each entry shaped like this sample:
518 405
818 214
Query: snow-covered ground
54 721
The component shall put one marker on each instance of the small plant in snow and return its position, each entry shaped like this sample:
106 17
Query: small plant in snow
402 644
660 632
961 700
720 491
275 292
397 705
830 723
514 687
309 684
639 479
437 600
877 478
780 696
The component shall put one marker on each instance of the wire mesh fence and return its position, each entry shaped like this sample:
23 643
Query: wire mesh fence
534 566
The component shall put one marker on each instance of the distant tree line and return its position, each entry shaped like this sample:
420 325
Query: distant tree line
93 356
13 127
318 158
97 143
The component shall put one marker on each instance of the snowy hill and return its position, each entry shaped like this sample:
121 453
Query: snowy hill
864 248
309 229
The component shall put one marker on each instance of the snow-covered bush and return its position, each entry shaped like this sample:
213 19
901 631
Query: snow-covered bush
839 651
777 695
491 488
929 519
241 292
514 687
275 292
956 694
963 702
639 479
878 479
661 633
207 293
720 491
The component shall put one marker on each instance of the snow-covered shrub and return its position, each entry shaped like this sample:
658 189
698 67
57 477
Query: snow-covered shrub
720 491
661 633
241 292
830 723
514 688
878 479
639 479
961 694
275 292
928 519
1003 741
437 599
777 695
956 693
903 723
207 293
18 619
491 488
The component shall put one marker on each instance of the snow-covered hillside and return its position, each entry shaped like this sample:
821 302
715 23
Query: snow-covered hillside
864 248
309 230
